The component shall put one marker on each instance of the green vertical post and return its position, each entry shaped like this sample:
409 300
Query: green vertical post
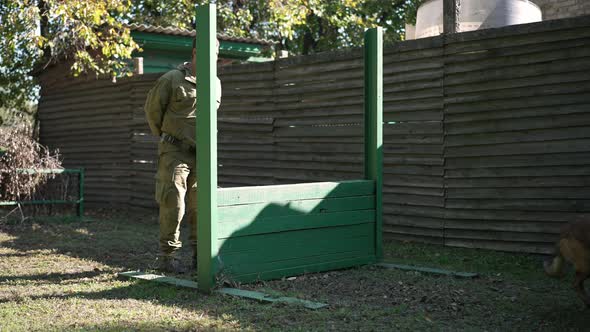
374 125
206 137
81 193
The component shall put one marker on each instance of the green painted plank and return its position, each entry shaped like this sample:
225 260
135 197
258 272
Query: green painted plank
292 250
292 192
268 298
374 124
245 268
206 138
428 270
249 212
266 242
259 296
153 42
290 223
248 255
160 279
304 269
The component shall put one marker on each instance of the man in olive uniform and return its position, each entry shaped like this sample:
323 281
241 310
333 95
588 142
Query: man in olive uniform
170 111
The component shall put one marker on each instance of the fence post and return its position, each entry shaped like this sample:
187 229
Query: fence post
374 125
81 193
206 146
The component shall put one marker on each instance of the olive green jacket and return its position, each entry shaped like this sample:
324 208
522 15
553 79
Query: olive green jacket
171 103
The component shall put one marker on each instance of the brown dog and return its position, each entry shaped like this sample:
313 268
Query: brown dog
573 246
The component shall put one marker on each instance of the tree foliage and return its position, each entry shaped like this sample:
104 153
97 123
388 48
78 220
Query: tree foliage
89 33
92 37
18 53
86 33
300 26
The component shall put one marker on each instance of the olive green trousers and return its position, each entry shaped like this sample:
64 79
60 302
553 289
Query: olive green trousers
176 194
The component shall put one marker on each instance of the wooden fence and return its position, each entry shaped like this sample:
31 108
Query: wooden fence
486 133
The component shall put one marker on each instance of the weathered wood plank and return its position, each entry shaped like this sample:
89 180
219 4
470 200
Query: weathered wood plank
414 128
412 221
535 135
500 236
489 66
389 235
409 199
542 90
512 215
552 204
570 193
414 190
416 231
530 247
516 113
540 47
526 34
318 147
413 181
517 124
565 146
510 182
504 226
319 131
520 160
511 104
414 170
428 270
270 298
575 74
537 171
417 211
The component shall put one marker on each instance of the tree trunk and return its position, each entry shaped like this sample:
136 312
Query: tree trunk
44 25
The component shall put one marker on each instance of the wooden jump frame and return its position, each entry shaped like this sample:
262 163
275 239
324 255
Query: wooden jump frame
268 232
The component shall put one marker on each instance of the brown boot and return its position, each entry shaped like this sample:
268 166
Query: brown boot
170 264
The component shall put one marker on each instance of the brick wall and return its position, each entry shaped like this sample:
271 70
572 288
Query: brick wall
556 9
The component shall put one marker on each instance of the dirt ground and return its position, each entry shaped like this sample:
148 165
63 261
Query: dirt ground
61 274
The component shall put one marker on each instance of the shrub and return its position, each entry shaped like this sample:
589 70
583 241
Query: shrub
22 152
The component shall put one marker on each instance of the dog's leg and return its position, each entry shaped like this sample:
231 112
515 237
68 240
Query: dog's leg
579 287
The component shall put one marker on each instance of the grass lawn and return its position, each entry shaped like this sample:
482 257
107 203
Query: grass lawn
62 275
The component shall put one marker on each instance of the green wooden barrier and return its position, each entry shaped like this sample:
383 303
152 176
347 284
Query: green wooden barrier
267 232
275 231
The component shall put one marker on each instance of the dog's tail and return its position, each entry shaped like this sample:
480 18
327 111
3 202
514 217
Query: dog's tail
554 267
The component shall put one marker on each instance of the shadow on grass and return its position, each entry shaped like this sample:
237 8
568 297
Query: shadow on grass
120 244
49 277
538 304
137 290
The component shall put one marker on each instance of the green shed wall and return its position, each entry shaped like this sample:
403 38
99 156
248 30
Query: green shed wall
161 52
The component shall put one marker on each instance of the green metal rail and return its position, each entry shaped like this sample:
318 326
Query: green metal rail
79 201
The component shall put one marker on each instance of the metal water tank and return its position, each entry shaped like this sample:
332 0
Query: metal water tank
476 14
